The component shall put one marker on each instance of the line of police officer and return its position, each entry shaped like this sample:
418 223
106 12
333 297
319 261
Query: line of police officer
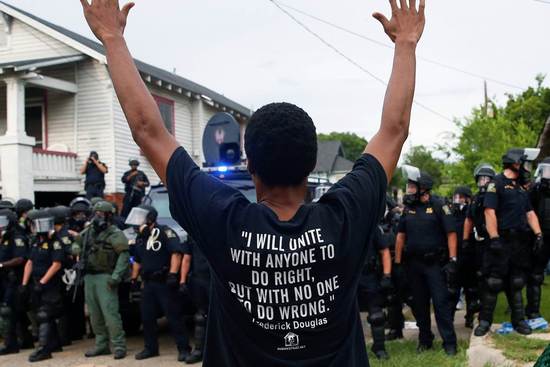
54 260
478 245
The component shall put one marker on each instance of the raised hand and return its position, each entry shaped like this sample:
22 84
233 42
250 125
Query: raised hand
105 18
407 23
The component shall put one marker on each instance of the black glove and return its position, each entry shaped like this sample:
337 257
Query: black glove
172 280
466 244
495 244
38 288
538 245
134 286
184 289
399 274
23 290
386 284
112 283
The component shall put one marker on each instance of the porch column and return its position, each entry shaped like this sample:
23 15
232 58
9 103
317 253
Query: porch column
198 124
16 146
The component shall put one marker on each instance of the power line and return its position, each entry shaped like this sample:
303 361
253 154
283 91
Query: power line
385 45
543 1
350 60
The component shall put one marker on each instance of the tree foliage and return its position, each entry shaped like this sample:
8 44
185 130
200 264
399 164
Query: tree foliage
353 144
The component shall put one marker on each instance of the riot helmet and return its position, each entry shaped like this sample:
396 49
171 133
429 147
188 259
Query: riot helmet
523 157
483 174
60 214
7 203
140 215
22 206
42 221
7 220
542 173
103 215
418 184
461 197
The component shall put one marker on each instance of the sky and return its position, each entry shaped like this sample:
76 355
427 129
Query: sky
253 53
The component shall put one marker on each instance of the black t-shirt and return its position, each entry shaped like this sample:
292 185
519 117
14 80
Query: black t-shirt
282 293
94 175
507 199
476 212
426 227
154 252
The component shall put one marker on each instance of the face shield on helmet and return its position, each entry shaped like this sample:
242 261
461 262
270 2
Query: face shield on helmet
43 225
4 222
137 217
543 171
412 174
482 181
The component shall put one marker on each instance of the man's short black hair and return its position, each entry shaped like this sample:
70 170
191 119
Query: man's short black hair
281 144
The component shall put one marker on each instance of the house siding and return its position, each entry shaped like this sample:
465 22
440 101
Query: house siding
27 43
61 111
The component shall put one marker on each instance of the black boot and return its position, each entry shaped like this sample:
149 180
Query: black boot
522 327
41 354
469 321
381 355
145 354
8 350
63 331
483 328
532 310
194 357
394 334
450 350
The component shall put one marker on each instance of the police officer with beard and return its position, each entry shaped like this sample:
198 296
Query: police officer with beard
43 276
468 258
427 236
374 284
135 182
13 252
195 282
157 257
540 201
506 216
104 257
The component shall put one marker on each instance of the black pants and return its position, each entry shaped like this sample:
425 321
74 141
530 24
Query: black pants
469 268
200 291
130 201
402 295
428 283
8 311
48 306
535 278
372 300
155 297
506 271
94 190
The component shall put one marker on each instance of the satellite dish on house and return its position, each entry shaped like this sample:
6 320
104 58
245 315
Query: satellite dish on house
221 141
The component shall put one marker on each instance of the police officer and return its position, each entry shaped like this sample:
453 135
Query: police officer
195 283
468 258
374 283
95 171
43 276
13 252
81 209
475 243
540 200
506 216
427 235
103 251
135 182
158 255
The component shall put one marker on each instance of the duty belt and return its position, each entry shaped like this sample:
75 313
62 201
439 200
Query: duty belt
157 276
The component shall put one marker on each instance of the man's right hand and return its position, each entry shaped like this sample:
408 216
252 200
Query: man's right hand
105 18
406 24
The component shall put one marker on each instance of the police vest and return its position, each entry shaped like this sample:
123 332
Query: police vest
101 254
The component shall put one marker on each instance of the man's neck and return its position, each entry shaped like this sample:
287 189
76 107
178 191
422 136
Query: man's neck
283 200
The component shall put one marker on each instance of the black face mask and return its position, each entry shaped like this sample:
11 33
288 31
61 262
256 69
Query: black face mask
524 176
410 199
100 224
545 184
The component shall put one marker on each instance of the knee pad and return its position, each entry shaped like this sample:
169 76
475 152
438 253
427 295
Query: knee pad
5 311
494 284
536 279
42 316
517 282
376 319
200 319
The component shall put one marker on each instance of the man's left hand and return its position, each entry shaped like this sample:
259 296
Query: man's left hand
105 18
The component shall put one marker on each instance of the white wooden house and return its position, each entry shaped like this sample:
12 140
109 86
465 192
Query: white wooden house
60 104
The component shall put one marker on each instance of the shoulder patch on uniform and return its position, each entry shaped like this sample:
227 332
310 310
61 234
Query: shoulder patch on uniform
169 233
57 245
491 187
429 211
19 242
446 210
66 240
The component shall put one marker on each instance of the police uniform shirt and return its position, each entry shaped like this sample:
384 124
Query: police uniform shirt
426 227
477 216
322 249
43 253
540 201
199 264
505 197
460 217
380 242
129 184
154 252
13 246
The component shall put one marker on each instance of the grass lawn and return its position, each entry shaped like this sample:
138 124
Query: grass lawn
403 353
501 316
519 348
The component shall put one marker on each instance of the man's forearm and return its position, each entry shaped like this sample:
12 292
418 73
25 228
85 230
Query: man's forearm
533 221
451 244
185 267
399 245
386 261
135 270
27 273
175 263
468 227
491 223
52 270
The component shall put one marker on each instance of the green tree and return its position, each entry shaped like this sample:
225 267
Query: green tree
353 144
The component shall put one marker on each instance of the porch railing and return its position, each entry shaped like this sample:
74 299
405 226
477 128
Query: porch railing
51 164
